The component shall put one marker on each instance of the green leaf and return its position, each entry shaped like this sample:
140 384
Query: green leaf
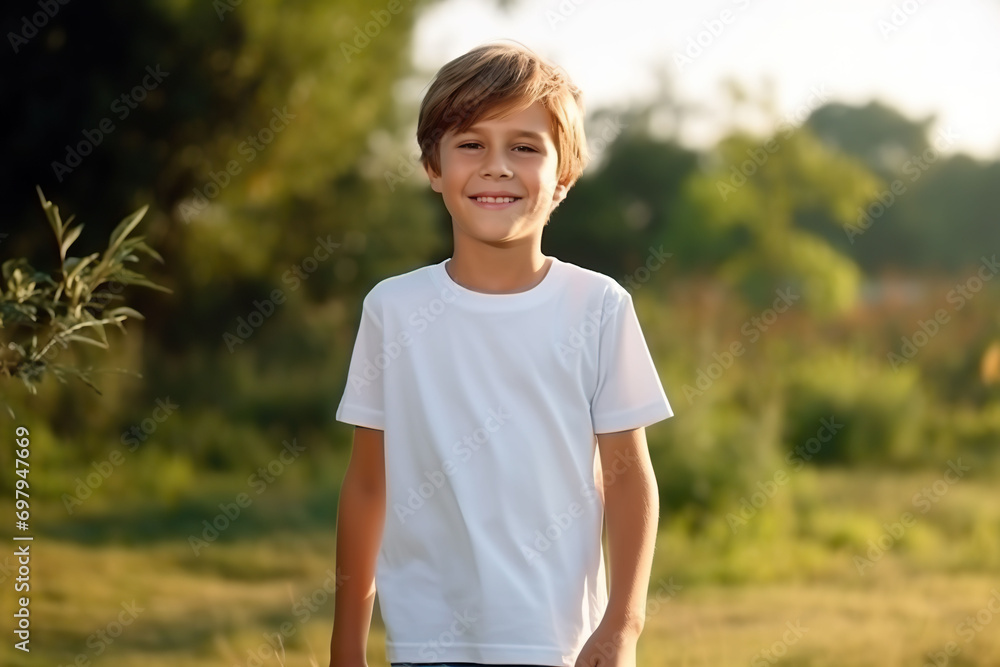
8 268
125 227
97 326
125 310
147 283
79 267
52 213
83 377
71 236
117 238
89 341
127 277
149 251
16 264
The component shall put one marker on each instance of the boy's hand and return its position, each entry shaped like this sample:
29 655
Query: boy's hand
608 647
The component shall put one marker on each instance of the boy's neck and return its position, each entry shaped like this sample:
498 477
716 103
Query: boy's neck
498 273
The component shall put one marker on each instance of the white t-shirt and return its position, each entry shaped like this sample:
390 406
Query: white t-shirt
490 404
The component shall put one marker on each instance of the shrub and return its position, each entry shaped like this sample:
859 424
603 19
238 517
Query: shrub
38 312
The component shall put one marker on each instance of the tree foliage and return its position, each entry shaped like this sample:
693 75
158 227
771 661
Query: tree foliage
749 196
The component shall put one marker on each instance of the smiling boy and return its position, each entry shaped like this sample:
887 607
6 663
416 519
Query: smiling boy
500 399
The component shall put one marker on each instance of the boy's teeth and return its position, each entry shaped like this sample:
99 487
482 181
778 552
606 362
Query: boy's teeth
494 200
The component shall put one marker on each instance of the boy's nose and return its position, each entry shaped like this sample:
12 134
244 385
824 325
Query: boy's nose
495 165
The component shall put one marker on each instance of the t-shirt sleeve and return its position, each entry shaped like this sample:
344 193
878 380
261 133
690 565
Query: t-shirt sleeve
629 394
363 401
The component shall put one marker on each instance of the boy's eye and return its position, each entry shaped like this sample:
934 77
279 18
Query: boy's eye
473 143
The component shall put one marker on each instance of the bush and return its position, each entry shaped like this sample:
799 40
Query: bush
39 313
882 411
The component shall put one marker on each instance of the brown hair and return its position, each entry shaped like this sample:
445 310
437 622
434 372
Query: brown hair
492 81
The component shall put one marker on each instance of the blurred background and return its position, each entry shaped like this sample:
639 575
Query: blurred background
802 199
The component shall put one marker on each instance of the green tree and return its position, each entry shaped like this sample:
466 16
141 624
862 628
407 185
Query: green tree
939 211
876 134
309 82
618 214
748 198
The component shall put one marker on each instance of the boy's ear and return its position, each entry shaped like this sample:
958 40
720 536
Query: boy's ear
559 194
435 179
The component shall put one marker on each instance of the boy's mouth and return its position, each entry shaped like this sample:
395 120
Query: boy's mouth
495 203
495 200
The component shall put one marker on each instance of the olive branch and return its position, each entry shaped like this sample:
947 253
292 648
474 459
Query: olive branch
38 312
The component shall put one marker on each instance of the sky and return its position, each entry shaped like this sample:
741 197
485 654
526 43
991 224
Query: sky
922 57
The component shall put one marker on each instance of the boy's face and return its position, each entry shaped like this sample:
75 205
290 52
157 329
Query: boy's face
514 155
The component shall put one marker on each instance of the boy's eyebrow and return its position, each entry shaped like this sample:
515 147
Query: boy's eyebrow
517 133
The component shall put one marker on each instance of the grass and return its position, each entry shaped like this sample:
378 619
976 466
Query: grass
894 620
262 583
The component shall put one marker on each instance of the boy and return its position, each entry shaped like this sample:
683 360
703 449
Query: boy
481 389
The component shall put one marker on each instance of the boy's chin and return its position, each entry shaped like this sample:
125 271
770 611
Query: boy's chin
499 230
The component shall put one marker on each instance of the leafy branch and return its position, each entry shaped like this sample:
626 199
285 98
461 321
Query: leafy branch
38 312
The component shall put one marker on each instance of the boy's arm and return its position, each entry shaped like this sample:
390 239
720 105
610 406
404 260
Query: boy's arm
632 509
360 520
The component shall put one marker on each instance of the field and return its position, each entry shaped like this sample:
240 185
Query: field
716 597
